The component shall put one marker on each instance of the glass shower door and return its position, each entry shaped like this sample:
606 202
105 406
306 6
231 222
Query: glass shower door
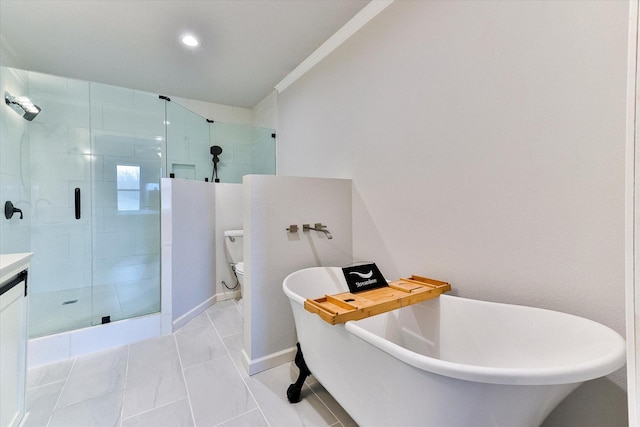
128 146
60 169
97 155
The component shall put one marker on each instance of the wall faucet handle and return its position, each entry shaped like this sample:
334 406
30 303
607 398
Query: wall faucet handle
9 210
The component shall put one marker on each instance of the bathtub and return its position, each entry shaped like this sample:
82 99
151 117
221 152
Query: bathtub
449 361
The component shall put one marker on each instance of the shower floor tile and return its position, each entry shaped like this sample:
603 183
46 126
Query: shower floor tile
194 377
59 311
69 309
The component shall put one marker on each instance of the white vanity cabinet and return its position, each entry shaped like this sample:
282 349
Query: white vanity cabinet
13 337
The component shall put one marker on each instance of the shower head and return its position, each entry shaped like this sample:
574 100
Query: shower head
215 150
22 105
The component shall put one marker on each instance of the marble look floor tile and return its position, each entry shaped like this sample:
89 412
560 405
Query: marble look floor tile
328 400
191 377
199 345
46 374
224 305
199 321
95 375
234 342
151 350
152 385
40 403
227 322
217 392
176 414
154 376
270 391
250 419
234 346
102 411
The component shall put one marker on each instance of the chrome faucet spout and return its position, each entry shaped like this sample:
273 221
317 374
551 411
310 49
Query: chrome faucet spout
317 227
329 236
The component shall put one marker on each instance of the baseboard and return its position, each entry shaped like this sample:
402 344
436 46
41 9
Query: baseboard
269 361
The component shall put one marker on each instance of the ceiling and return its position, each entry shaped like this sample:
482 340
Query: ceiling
246 46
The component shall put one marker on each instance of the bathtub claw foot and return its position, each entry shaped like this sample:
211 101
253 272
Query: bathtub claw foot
294 390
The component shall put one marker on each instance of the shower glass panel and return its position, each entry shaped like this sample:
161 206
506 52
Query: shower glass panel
188 152
128 146
245 150
60 274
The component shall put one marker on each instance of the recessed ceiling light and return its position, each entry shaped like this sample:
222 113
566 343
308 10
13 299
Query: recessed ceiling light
190 41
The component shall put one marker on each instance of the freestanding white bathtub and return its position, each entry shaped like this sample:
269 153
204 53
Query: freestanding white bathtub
449 361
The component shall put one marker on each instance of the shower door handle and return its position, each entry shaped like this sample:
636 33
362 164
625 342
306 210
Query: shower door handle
77 203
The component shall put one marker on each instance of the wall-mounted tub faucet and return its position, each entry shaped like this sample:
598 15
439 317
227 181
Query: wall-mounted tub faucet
317 227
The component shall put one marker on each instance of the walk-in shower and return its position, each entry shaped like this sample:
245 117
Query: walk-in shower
86 174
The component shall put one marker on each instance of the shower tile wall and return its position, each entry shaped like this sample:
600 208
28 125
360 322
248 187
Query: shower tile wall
14 164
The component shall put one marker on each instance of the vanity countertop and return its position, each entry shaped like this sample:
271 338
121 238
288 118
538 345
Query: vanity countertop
11 264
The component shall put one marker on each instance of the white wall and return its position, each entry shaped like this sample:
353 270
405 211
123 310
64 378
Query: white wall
194 216
228 216
485 141
265 113
193 276
8 56
271 205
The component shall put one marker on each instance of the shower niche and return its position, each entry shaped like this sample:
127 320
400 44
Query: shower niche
87 180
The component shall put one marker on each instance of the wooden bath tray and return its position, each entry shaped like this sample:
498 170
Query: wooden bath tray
340 308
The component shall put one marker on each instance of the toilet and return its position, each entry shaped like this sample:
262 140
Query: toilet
234 244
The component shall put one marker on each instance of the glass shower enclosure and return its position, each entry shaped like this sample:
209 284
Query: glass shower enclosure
245 149
86 172
97 155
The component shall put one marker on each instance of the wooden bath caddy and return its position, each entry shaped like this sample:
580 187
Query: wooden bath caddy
340 308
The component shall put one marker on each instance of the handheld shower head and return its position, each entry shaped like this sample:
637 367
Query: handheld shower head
215 151
22 105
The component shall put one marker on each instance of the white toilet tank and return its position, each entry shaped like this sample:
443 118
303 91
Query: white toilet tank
233 242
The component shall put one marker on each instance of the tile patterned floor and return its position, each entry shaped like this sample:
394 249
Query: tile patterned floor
193 377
